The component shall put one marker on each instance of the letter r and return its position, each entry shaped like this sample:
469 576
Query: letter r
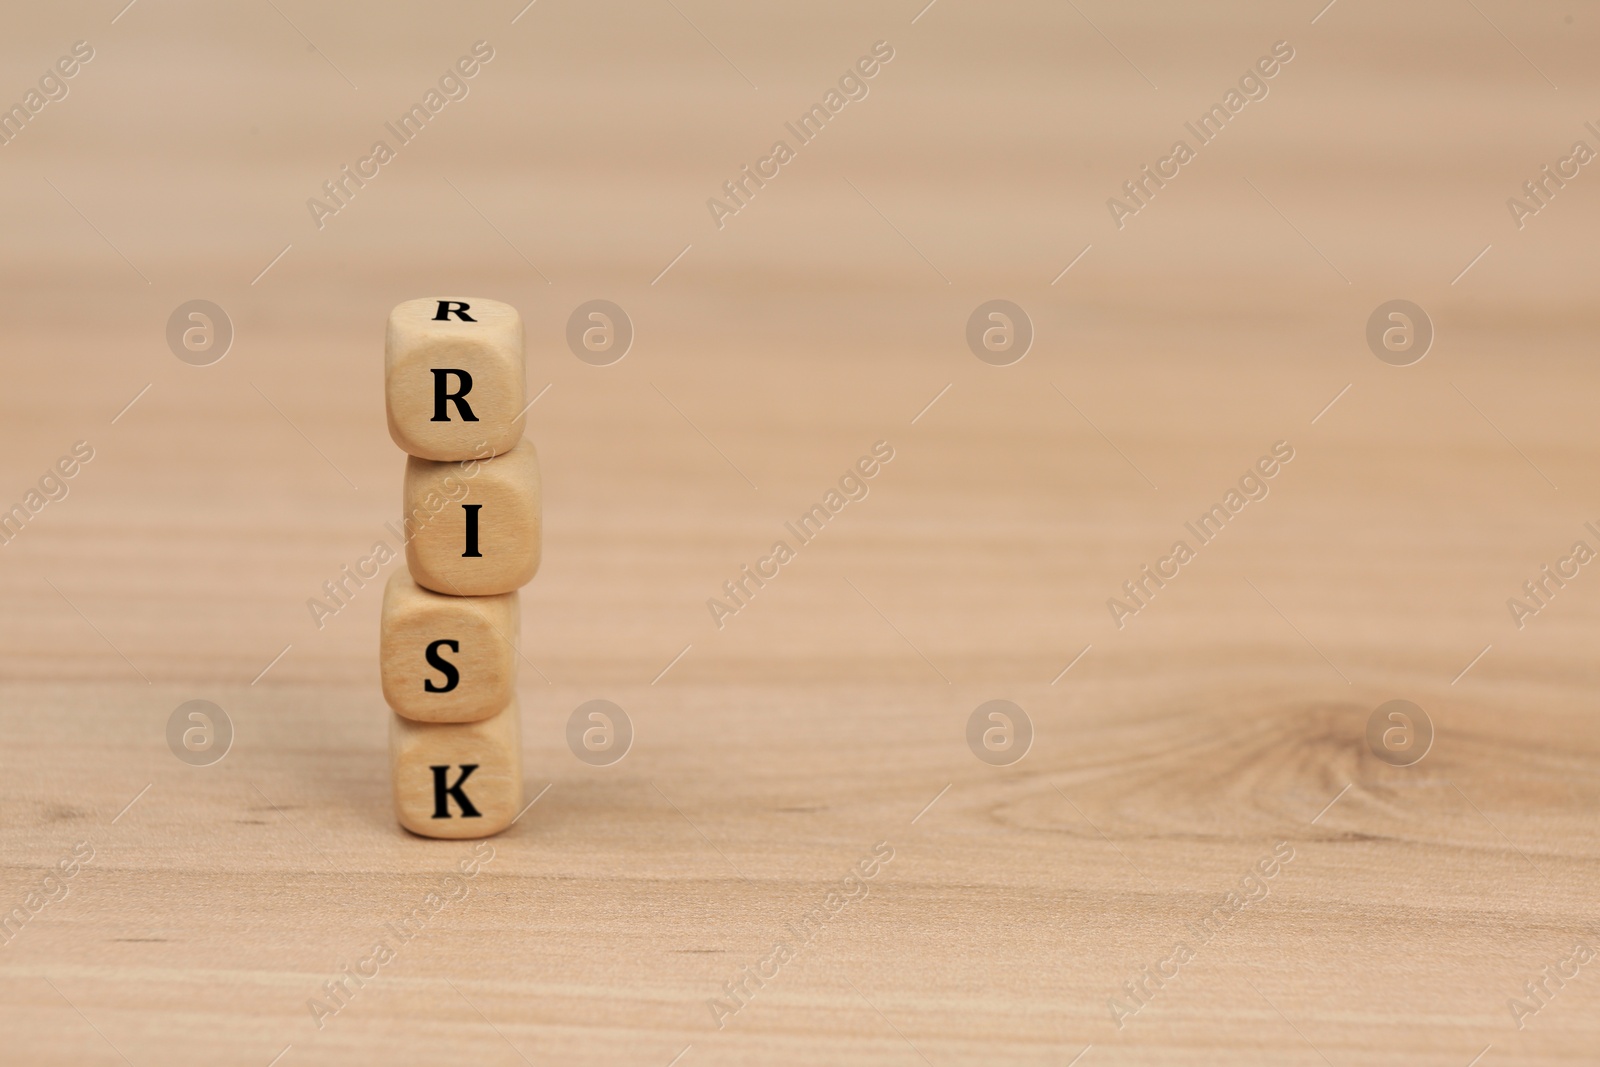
458 308
442 394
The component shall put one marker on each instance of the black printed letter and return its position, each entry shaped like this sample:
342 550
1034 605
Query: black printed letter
472 530
458 308
443 395
441 794
451 676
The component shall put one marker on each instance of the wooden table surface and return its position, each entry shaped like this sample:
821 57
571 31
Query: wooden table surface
1016 913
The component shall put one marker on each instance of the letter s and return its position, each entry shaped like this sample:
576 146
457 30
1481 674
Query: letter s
452 677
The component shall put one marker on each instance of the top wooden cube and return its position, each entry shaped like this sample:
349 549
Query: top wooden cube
453 377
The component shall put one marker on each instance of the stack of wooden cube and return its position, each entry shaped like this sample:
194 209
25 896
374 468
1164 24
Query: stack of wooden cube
455 385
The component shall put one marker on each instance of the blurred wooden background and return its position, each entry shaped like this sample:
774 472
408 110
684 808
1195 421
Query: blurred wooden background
770 756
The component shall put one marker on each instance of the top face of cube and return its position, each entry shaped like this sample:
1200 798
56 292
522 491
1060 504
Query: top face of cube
453 377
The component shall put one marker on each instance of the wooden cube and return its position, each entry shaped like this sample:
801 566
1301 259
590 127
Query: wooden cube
453 377
473 528
447 658
456 780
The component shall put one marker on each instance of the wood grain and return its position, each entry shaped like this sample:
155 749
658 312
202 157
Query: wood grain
820 731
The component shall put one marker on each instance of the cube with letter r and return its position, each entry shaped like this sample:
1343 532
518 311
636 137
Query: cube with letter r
453 377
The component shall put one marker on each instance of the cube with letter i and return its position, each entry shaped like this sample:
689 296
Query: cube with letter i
455 387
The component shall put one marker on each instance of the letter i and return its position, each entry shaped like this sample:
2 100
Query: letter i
472 530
